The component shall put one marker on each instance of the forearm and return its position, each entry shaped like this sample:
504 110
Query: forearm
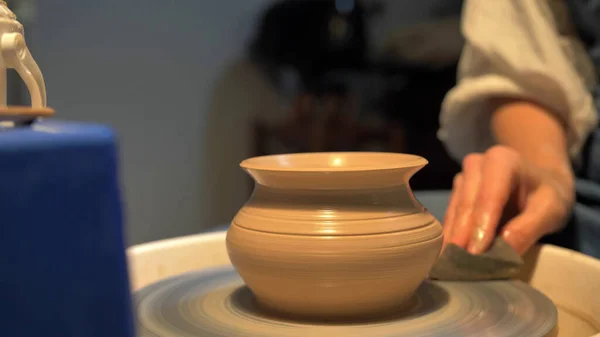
537 136
533 132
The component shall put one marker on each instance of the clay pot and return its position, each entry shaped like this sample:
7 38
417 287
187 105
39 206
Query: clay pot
333 235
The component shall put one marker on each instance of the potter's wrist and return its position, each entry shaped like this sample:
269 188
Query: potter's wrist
533 131
562 179
540 139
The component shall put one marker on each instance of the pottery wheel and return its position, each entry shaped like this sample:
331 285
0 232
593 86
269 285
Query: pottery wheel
215 303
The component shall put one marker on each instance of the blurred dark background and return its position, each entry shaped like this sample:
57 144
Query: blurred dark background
194 87
343 94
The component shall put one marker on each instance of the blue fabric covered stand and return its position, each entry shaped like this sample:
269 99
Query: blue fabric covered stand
62 254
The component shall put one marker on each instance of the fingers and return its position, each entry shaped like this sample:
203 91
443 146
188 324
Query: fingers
451 210
500 172
461 224
540 217
481 195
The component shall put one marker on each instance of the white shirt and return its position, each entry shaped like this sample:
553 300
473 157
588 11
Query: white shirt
518 48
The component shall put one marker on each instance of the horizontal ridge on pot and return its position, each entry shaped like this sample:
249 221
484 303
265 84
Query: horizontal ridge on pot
425 222
334 212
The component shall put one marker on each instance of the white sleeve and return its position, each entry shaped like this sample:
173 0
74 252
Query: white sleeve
514 49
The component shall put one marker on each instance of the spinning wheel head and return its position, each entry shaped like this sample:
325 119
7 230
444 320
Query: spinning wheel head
215 302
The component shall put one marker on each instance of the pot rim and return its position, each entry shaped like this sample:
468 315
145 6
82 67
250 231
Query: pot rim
326 162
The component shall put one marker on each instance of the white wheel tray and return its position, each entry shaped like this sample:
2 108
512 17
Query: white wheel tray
570 279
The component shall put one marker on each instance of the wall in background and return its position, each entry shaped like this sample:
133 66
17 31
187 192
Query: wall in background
406 13
146 67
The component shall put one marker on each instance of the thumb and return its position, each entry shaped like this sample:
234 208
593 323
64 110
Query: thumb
540 217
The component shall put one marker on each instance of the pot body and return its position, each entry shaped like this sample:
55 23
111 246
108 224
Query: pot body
333 244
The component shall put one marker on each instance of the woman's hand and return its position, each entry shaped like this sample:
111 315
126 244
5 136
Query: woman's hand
501 183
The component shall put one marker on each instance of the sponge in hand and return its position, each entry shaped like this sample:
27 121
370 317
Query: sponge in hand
500 262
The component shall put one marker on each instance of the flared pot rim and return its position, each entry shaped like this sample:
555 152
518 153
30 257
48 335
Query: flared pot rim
325 162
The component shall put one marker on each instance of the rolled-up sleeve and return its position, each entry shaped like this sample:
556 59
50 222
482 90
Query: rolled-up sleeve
512 49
